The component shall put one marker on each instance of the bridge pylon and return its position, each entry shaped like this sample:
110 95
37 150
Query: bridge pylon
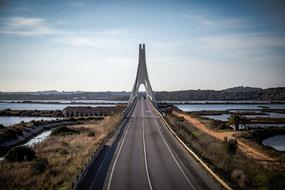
142 78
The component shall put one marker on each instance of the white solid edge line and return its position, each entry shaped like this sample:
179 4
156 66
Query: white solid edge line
196 157
172 153
115 162
144 151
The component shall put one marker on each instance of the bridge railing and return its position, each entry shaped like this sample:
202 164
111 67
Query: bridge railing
130 108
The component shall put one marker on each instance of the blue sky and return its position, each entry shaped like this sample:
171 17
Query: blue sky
93 45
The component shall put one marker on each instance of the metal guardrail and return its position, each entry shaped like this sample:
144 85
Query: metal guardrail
95 155
83 172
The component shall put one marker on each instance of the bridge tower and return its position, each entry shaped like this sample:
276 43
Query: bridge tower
142 78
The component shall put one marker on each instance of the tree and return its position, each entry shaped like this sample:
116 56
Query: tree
236 119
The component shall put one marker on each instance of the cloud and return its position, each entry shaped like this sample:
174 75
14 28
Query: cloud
234 43
26 26
30 26
105 38
213 20
240 42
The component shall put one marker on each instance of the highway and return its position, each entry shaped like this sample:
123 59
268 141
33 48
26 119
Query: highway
145 155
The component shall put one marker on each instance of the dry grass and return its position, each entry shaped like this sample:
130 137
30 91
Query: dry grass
204 127
67 156
239 170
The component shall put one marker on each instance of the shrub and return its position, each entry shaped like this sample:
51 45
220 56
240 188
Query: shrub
63 131
91 134
231 146
10 133
58 113
2 126
40 165
277 182
239 177
20 153
63 152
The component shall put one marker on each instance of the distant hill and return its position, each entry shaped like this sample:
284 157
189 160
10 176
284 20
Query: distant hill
242 89
231 94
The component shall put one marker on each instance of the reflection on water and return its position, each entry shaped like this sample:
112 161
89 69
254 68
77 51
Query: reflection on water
38 139
12 120
277 142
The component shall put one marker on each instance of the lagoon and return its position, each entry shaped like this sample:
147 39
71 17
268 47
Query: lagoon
277 142
12 120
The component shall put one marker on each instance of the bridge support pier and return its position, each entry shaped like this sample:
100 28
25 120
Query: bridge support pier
142 78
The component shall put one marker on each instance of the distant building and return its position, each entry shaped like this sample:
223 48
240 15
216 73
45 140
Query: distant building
81 111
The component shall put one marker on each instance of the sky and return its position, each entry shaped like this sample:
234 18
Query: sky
92 45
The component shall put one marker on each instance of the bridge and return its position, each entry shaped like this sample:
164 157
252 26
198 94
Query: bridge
144 154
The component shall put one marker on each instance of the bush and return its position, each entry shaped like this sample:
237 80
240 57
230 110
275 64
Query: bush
20 153
91 134
58 113
277 182
40 165
239 177
63 131
232 146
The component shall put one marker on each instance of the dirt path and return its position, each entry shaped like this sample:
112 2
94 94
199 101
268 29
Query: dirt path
221 135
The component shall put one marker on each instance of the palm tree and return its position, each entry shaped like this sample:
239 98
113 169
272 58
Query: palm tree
236 119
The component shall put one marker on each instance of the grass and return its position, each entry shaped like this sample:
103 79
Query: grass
65 155
239 170
11 132
62 131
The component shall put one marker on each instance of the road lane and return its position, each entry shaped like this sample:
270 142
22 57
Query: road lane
163 159
128 170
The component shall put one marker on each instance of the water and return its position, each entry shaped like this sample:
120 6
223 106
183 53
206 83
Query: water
265 125
277 142
268 115
70 101
225 117
12 120
223 107
35 140
39 138
42 106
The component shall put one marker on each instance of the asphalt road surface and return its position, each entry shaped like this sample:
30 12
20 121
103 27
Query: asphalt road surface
145 155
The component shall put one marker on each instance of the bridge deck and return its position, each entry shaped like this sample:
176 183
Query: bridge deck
145 155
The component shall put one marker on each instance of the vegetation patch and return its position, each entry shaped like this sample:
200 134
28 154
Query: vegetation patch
277 182
20 153
64 131
231 146
237 169
40 165
61 157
